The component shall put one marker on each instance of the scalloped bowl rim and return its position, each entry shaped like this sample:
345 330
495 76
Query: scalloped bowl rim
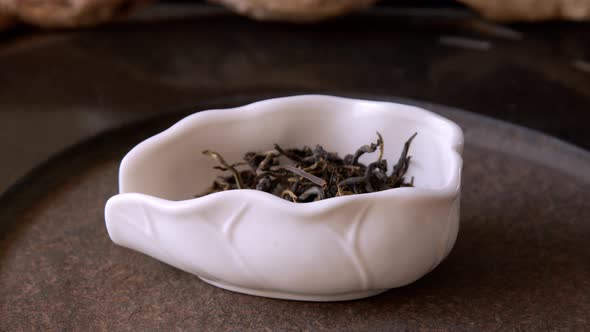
216 116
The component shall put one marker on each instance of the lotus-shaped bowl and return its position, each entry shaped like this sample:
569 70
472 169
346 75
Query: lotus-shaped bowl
252 242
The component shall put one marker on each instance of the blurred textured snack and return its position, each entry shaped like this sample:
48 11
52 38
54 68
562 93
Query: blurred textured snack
76 13
7 18
66 14
6 21
294 10
531 10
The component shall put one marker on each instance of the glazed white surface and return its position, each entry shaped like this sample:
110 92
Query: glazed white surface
250 241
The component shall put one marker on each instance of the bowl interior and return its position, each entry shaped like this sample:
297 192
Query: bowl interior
170 165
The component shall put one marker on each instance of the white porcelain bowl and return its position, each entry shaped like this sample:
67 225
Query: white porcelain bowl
252 242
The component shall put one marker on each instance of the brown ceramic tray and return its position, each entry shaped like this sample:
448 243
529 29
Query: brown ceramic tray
522 259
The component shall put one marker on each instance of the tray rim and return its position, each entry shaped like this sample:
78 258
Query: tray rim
23 185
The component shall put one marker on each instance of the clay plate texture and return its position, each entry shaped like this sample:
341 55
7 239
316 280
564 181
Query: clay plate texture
520 261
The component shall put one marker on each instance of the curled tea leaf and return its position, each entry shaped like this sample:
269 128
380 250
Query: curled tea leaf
222 161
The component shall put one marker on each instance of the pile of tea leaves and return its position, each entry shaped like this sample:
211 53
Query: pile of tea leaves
311 174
